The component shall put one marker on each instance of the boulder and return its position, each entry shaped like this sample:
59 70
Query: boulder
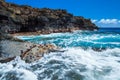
11 47
37 51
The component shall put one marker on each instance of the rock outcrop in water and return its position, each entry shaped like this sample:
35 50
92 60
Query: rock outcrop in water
10 47
37 51
22 18
29 52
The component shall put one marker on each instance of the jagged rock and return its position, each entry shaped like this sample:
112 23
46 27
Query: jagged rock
34 53
7 60
22 18
17 12
37 51
43 19
11 47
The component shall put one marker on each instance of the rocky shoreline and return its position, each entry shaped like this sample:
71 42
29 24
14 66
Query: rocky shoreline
25 20
29 52
20 18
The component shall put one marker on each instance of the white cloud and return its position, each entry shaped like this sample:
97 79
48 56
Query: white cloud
109 21
94 20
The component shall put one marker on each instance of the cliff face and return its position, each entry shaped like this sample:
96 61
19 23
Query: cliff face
16 18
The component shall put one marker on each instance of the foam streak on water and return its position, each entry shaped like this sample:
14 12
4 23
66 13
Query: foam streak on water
78 39
73 64
80 61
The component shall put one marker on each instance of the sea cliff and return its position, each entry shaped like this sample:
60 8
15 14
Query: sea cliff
21 18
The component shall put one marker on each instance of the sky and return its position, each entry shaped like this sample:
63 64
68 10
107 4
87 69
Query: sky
104 13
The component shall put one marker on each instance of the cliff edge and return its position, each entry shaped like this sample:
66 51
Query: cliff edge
21 18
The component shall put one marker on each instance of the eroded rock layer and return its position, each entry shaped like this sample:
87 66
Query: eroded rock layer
21 18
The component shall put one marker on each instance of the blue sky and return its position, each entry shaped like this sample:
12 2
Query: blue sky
104 13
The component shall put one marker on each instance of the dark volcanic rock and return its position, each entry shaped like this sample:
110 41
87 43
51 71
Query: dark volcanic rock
16 18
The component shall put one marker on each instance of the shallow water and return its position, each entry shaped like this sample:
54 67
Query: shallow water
79 61
86 39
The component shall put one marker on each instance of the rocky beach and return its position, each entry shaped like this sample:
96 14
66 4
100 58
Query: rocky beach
16 20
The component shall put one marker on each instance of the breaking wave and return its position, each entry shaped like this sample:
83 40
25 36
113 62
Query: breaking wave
81 59
73 64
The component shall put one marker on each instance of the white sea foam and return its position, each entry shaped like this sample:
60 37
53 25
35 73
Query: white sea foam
73 64
78 38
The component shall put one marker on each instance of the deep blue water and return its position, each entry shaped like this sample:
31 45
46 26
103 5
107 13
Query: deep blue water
116 30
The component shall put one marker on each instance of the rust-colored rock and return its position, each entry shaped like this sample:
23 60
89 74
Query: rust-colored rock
28 52
37 51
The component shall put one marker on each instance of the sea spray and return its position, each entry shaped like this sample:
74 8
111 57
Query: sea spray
73 64
85 39
88 55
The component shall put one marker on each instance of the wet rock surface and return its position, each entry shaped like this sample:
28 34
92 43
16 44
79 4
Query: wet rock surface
38 51
28 52
10 47
20 18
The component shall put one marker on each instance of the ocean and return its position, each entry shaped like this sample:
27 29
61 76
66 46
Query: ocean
88 55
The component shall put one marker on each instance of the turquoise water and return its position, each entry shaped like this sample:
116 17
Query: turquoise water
81 59
85 39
